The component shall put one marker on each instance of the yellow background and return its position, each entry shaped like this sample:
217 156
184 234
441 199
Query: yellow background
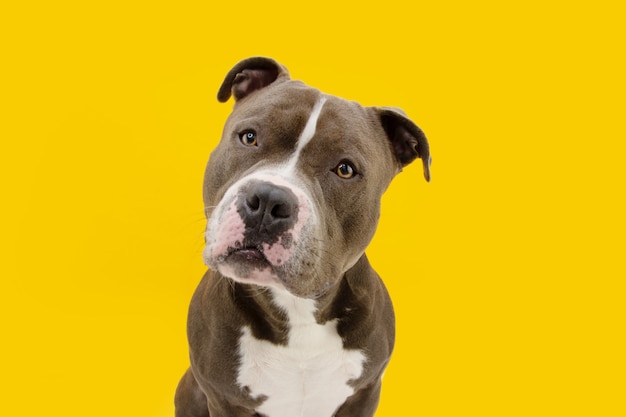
506 271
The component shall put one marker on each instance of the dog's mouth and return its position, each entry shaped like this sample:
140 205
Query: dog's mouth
251 255
249 264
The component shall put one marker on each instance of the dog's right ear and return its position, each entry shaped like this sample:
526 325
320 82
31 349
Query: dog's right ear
250 75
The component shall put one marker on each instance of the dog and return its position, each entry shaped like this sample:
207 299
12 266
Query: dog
291 319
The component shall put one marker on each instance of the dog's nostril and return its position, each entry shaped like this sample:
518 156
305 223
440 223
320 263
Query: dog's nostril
281 211
254 202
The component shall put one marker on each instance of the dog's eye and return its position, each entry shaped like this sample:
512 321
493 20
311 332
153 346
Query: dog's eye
248 138
345 170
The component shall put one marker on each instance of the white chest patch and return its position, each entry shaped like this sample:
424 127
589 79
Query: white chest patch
306 378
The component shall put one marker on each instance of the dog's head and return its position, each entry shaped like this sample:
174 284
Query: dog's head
292 192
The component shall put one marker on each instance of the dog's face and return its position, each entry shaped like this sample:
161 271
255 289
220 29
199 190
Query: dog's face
292 191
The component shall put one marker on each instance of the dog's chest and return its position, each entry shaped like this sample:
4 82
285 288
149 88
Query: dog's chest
306 378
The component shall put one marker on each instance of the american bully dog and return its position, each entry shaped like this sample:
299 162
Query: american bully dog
291 320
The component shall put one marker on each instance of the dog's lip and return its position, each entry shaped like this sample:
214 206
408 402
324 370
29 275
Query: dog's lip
251 254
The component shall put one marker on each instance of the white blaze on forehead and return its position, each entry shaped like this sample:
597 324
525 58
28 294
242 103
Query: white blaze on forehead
307 134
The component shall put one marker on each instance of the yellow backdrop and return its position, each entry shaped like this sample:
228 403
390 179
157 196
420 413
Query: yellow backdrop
506 271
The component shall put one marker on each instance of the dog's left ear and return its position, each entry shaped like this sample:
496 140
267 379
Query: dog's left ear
408 140
250 75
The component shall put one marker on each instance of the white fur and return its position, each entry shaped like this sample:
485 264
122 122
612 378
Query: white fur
306 135
306 378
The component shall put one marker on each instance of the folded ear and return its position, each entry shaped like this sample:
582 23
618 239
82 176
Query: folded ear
408 140
250 75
